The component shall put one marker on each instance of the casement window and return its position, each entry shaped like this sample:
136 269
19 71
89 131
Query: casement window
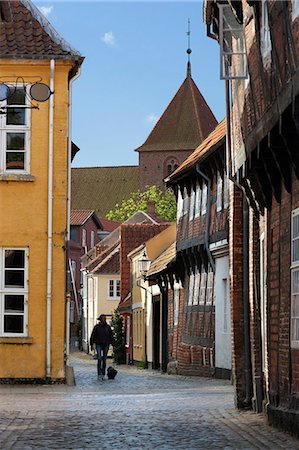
225 191
204 200
295 279
72 311
191 289
179 205
176 303
192 204
83 237
219 193
15 133
196 287
295 9
114 289
92 239
197 201
13 291
265 32
185 202
210 287
74 270
203 285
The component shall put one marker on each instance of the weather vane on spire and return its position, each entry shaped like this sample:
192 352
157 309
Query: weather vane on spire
189 50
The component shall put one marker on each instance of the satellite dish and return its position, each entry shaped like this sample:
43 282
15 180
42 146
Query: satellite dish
4 92
40 92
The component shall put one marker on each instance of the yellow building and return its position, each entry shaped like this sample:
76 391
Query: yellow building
35 152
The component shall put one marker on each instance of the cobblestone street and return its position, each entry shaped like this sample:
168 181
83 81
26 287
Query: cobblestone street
139 409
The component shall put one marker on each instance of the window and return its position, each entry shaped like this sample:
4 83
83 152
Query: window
192 202
225 192
232 45
74 271
185 202
176 303
197 200
295 9
295 279
191 289
15 133
196 287
92 239
204 200
114 289
219 193
83 237
202 292
72 311
180 205
265 32
225 305
210 287
13 292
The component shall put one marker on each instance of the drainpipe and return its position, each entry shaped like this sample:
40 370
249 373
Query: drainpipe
68 203
208 216
50 222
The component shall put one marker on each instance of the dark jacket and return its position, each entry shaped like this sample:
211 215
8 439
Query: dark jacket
101 334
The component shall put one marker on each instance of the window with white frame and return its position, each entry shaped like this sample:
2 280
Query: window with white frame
210 287
196 287
179 205
191 289
13 291
15 133
204 200
83 237
265 31
225 191
176 303
295 9
185 201
197 200
74 270
295 279
203 285
114 289
92 239
192 204
219 192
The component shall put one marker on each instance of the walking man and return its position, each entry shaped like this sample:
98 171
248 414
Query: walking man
100 340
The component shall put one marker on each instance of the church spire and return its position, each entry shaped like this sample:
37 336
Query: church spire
189 51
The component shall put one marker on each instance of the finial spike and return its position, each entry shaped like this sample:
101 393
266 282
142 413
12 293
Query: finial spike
189 51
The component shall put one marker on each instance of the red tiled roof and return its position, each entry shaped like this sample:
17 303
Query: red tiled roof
204 148
80 217
109 225
110 264
24 31
184 124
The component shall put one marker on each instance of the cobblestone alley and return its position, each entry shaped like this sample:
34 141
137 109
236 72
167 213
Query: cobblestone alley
139 409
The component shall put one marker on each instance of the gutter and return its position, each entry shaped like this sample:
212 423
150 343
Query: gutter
50 223
68 203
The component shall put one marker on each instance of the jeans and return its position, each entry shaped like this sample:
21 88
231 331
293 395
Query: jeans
102 351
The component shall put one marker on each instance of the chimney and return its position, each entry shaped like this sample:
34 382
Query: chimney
151 207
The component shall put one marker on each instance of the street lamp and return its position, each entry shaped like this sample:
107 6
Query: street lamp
144 265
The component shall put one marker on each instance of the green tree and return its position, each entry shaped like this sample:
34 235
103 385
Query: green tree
164 200
119 338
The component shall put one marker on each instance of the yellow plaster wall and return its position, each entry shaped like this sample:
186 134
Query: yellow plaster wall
24 224
105 305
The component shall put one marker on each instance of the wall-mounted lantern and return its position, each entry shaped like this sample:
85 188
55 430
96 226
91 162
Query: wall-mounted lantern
144 265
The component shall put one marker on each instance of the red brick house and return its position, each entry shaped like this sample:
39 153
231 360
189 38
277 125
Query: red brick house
185 123
199 341
263 110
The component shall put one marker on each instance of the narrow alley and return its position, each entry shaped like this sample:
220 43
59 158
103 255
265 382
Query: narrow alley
139 409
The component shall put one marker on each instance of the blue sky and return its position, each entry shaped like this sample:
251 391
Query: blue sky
135 61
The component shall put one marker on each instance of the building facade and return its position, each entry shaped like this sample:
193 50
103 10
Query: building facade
35 155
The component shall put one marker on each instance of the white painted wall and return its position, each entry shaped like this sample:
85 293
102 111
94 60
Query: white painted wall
223 351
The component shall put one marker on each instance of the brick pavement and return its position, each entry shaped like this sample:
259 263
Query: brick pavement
139 409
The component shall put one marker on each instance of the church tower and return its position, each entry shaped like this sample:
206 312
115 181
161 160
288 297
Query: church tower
185 123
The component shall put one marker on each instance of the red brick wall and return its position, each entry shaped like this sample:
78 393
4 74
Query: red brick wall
133 235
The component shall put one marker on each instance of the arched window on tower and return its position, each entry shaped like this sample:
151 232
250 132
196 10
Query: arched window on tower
171 164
